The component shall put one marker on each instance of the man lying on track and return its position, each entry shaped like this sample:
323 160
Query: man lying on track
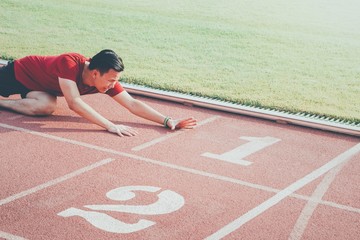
40 79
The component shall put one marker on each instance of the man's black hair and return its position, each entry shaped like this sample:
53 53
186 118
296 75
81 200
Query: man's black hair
105 60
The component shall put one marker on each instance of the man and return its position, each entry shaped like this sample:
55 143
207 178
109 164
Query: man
40 79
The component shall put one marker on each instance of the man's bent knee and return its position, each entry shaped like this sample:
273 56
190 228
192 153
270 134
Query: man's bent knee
44 110
45 103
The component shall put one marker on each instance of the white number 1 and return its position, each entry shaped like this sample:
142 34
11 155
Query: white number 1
238 154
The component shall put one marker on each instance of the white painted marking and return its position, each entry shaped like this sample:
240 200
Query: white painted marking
310 207
208 120
179 168
156 141
106 222
237 223
168 202
9 236
16 117
238 154
326 203
54 181
166 137
332 204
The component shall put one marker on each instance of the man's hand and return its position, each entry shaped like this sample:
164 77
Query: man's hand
186 123
122 130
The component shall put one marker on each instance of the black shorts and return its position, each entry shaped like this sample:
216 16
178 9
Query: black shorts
8 83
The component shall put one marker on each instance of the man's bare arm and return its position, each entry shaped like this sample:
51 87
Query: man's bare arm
75 103
143 110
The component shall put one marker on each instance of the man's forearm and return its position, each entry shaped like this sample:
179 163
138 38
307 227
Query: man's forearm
87 112
142 110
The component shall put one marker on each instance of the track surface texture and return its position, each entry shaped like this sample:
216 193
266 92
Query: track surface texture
232 177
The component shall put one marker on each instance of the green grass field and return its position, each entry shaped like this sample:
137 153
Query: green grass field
300 55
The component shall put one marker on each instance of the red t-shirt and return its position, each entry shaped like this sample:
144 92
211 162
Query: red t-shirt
41 73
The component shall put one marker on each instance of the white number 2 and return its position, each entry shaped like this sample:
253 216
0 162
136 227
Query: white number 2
168 202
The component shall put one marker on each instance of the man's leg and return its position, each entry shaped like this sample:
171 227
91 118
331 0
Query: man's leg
35 104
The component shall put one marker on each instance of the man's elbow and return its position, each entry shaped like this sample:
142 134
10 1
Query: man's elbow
73 105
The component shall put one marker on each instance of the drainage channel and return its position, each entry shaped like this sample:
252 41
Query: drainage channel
305 120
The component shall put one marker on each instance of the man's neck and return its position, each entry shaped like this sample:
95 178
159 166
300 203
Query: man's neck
87 75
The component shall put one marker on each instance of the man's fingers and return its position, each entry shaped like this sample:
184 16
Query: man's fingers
128 131
132 131
123 130
191 122
187 123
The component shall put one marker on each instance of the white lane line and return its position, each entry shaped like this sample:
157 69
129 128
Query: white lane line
9 236
55 181
180 168
16 117
237 223
326 203
310 207
166 137
143 159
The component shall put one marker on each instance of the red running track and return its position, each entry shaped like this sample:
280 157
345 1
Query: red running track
232 177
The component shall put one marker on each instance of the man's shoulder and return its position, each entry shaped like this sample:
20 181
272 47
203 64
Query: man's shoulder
72 56
68 65
70 60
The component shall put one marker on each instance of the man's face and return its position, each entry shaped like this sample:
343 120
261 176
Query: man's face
106 81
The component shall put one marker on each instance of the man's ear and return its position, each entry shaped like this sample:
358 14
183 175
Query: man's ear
95 73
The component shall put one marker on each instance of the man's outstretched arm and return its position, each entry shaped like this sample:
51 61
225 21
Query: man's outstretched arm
141 109
75 103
